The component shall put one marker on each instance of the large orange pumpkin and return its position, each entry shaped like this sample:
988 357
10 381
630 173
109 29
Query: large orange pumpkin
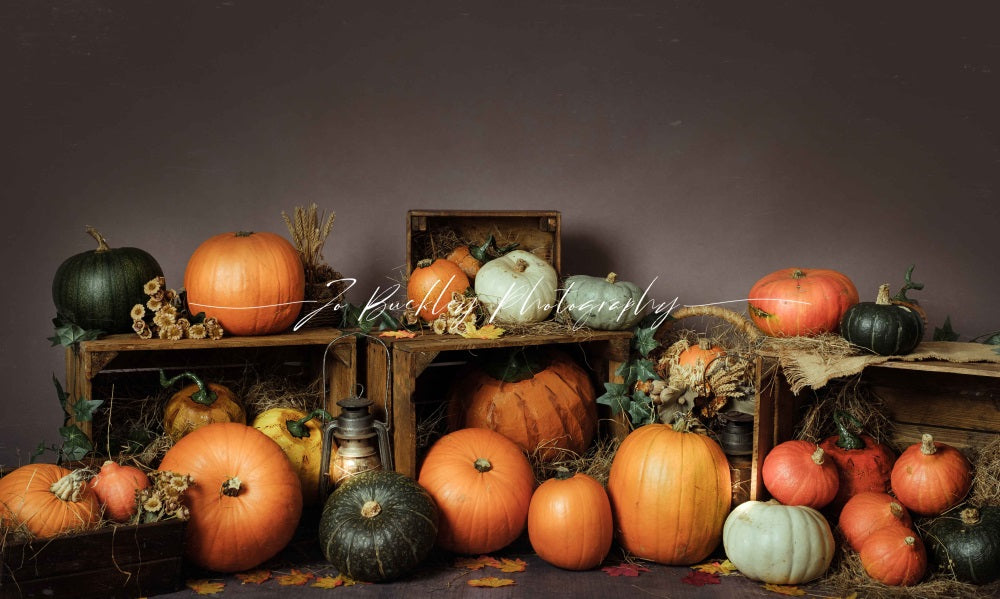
245 501
569 521
431 284
801 301
253 283
482 484
670 493
541 400
47 500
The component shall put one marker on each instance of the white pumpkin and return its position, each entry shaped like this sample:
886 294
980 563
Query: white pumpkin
603 303
518 287
778 544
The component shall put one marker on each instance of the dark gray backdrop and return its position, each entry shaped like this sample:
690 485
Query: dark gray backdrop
700 144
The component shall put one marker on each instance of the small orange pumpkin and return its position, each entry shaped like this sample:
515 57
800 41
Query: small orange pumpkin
115 486
930 477
47 500
430 286
894 556
196 405
470 257
569 521
797 473
866 512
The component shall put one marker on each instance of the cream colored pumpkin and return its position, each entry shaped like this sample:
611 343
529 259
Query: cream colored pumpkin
517 287
778 544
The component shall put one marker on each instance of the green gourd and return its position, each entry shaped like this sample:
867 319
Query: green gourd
603 303
882 327
968 545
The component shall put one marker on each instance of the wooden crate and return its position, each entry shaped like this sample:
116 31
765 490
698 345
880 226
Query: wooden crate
958 404
112 561
535 231
394 377
94 368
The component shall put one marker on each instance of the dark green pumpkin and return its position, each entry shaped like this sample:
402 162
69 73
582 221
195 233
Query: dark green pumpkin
882 327
968 545
378 526
97 289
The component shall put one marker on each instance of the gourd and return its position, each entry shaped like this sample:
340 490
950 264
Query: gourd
196 405
798 473
778 544
246 500
863 463
96 290
800 301
866 512
967 545
518 287
430 286
894 556
670 493
603 303
930 477
883 327
470 258
300 436
115 487
569 521
252 282
47 500
378 526
482 484
540 399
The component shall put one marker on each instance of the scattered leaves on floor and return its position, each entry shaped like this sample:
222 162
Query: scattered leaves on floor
625 570
489 331
295 578
723 568
490 581
699 579
206 587
332 582
784 589
477 563
254 576
512 565
401 334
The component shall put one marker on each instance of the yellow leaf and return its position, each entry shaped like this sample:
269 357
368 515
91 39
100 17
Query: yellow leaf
401 334
491 581
784 589
254 576
512 565
206 587
476 563
489 331
723 568
295 578
329 582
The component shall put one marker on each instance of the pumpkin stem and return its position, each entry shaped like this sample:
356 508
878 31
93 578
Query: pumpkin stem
970 516
203 395
882 298
102 245
371 509
564 473
70 487
516 364
907 285
611 278
231 488
927 446
483 465
521 265
896 509
298 428
818 455
424 263
798 273
244 233
479 251
909 541
845 438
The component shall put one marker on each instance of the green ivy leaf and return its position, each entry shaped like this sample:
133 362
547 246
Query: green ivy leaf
70 334
615 397
83 409
643 340
945 332
640 413
63 396
637 370
76 444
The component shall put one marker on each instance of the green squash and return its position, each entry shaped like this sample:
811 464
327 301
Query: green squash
882 327
96 290
968 545
606 304
378 526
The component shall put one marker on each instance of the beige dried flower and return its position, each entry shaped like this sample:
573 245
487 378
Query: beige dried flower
139 325
172 332
138 311
410 316
153 503
216 333
184 324
154 304
146 332
439 326
153 286
197 331
168 309
164 319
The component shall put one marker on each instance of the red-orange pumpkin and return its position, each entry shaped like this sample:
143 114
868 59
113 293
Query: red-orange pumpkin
670 494
47 500
245 501
569 521
115 486
543 401
930 477
864 464
482 484
801 301
867 512
798 473
431 284
253 283
895 556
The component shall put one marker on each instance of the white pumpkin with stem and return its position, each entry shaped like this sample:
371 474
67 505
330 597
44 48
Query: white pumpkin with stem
603 303
518 287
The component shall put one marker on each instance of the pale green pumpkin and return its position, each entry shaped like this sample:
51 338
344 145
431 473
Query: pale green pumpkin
603 303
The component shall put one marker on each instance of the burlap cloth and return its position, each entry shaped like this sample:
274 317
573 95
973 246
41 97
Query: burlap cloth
814 369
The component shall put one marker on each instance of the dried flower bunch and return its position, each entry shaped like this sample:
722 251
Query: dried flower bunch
162 500
162 316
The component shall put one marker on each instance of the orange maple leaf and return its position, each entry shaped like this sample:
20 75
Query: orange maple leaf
477 563
784 589
205 587
723 568
254 576
295 578
512 565
489 331
491 581
400 334
330 582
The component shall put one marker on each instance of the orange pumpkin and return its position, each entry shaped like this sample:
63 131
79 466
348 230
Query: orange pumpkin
894 556
867 512
246 499
543 401
470 257
47 500
196 405
930 477
253 283
482 484
115 486
700 355
797 473
670 494
801 301
431 284
569 521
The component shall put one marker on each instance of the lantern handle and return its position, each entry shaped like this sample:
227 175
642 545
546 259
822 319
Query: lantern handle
387 423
